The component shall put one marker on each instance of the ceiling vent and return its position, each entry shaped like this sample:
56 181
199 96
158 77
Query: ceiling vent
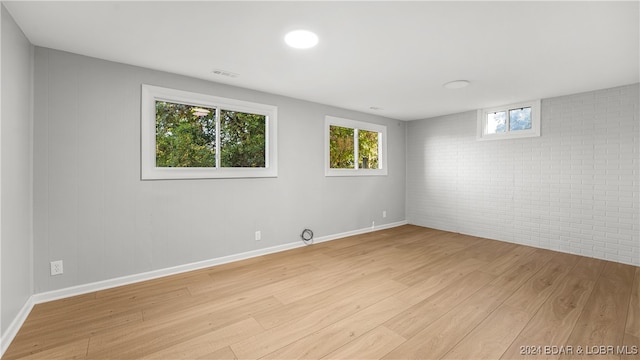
226 73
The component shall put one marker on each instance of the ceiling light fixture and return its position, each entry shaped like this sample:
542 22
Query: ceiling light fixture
301 39
457 84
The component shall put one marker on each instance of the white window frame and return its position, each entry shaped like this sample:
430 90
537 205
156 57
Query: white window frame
357 125
149 171
535 122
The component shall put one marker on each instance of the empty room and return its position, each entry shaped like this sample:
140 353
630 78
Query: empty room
319 180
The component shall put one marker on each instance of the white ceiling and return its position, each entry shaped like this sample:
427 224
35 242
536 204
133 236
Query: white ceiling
390 55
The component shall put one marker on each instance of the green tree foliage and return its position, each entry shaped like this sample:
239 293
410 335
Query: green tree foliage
185 135
368 149
243 139
342 148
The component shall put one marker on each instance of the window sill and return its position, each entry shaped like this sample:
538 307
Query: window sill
352 172
207 173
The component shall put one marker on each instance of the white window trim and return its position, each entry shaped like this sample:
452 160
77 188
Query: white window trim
535 121
149 171
360 125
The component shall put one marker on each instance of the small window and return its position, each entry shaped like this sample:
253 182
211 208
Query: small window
354 148
185 135
497 122
196 136
341 147
510 121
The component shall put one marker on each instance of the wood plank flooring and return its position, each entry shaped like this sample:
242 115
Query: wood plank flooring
402 293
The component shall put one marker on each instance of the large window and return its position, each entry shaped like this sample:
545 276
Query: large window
354 148
509 121
193 136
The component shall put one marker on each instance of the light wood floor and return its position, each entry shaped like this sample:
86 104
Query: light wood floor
402 293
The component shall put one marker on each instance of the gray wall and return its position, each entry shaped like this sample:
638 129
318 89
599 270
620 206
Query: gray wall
575 189
15 142
92 211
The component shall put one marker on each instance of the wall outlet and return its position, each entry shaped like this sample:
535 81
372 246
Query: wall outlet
56 267
384 214
258 235
373 224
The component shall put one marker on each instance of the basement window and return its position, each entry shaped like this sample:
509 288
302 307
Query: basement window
509 121
196 136
354 148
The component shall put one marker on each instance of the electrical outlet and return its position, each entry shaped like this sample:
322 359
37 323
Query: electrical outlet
56 267
373 224
258 235
384 213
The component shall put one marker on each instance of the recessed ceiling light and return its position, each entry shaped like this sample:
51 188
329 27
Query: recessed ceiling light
301 39
457 84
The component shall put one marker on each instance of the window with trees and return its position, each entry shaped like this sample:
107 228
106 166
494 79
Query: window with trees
193 136
509 121
354 148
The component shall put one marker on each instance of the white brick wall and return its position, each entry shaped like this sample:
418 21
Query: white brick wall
574 189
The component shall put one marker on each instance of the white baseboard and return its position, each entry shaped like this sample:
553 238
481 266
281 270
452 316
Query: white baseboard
130 279
150 275
12 331
360 231
15 326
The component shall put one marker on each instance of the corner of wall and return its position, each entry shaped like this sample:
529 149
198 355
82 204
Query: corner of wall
16 177
31 162
2 342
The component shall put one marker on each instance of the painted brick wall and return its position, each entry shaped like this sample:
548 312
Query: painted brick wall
574 189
